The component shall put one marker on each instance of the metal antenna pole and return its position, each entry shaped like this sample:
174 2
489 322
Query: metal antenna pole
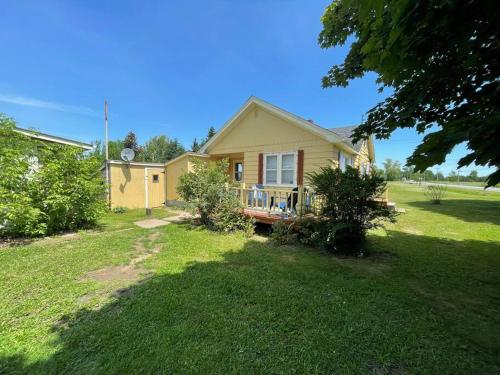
106 141
106 127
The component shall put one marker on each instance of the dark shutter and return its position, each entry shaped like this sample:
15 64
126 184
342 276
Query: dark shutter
261 169
300 167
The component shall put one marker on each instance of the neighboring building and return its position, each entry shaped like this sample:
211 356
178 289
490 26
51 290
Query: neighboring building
47 139
53 139
264 144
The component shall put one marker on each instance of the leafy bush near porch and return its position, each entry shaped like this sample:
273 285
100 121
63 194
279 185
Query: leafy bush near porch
46 188
349 209
206 190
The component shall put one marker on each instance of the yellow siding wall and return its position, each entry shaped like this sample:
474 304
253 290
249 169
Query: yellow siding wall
363 157
127 186
174 171
260 132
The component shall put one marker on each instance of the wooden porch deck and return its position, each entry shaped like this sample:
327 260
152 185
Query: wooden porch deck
267 217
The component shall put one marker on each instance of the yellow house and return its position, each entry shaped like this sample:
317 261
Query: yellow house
265 145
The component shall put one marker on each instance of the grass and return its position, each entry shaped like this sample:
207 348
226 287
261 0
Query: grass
426 301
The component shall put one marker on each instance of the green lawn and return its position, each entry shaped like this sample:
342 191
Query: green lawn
426 301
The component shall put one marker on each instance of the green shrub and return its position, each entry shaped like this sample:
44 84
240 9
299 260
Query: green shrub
64 191
309 231
282 233
227 215
69 187
349 207
119 210
20 218
436 193
207 191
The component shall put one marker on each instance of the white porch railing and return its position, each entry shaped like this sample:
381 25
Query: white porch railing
286 202
279 201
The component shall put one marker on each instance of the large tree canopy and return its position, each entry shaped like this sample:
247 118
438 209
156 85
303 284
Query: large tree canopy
161 149
442 59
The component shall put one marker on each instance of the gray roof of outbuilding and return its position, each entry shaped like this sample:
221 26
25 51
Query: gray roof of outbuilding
345 133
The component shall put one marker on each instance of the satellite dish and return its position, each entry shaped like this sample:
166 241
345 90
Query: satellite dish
127 154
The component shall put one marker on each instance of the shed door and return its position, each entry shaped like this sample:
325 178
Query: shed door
156 187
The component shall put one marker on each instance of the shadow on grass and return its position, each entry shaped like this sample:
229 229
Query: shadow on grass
267 310
469 210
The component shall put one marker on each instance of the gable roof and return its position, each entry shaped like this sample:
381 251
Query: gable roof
345 133
52 138
253 102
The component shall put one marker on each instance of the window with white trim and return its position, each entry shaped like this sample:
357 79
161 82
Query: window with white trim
280 169
344 160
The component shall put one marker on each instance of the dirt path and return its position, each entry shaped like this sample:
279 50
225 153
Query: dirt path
121 277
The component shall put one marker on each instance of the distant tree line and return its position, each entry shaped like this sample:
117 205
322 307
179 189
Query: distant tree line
393 170
158 149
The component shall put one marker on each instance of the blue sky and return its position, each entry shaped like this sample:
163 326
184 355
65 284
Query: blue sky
174 68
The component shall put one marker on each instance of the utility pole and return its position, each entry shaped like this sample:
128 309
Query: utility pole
106 141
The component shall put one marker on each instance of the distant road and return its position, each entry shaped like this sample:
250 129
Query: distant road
468 187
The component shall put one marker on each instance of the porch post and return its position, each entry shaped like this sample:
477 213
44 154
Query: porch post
300 200
242 194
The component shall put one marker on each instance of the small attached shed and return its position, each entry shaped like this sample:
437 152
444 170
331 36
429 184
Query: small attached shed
135 184
177 167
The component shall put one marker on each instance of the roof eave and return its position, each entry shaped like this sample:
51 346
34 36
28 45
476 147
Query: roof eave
189 153
54 139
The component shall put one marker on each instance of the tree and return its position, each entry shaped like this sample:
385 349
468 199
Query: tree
452 176
114 149
392 170
195 146
160 149
98 152
130 141
441 60
210 134
408 172
473 176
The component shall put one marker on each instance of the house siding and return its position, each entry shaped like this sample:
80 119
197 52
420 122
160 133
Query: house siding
262 132
363 156
174 171
127 186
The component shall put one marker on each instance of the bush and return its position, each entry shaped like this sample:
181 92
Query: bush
436 193
206 190
227 216
63 190
119 210
282 233
349 208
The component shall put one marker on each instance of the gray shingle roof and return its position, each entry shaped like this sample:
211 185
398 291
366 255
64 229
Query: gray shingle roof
345 133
